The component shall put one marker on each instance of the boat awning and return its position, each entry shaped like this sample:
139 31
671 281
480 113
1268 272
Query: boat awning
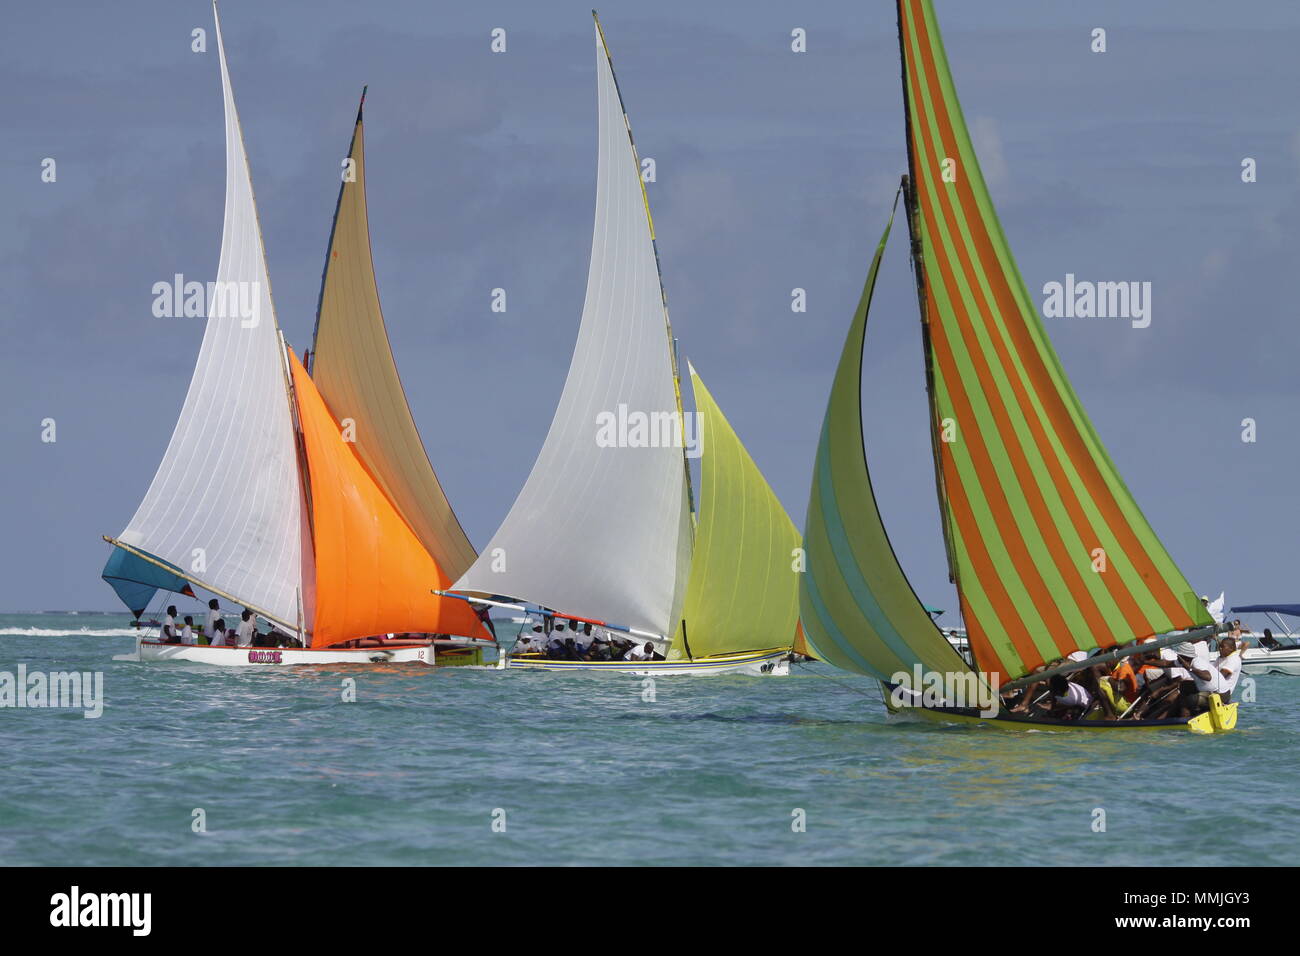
1291 609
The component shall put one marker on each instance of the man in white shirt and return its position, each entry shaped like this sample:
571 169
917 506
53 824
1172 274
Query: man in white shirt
582 639
187 632
1069 700
168 634
643 653
1169 657
246 630
1228 667
209 624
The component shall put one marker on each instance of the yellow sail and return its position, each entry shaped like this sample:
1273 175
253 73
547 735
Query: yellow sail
353 368
743 592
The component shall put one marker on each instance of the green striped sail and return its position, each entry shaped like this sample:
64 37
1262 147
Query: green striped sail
857 608
742 594
1049 550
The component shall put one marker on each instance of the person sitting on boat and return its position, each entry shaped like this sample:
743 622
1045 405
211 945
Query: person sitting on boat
168 633
599 649
644 653
1195 659
247 629
1124 679
1269 641
1228 666
532 643
210 623
187 632
582 642
220 636
1070 701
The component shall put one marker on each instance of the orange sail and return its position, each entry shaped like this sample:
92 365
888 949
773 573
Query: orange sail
372 574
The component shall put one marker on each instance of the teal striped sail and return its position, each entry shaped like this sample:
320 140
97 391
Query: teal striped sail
855 603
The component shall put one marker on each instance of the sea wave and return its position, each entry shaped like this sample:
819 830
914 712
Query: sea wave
78 632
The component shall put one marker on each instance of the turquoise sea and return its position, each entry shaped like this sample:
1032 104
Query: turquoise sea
587 771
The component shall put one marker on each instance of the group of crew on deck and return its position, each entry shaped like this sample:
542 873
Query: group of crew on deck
1170 682
580 644
215 632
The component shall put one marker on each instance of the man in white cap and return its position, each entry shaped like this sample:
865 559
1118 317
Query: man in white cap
531 643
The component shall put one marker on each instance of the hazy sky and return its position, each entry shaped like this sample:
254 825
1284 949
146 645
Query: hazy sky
775 171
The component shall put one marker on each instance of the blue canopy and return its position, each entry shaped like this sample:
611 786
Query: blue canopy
136 580
1291 609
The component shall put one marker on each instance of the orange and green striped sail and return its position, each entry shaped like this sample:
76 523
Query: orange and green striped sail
856 608
1049 551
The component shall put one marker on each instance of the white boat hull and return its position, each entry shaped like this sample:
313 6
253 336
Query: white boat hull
766 663
279 656
1261 660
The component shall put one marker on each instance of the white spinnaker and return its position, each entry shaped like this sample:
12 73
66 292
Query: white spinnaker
226 504
604 532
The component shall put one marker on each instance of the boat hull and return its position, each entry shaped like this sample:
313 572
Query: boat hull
762 663
153 651
1219 719
1261 660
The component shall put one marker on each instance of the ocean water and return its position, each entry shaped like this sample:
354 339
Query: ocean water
585 770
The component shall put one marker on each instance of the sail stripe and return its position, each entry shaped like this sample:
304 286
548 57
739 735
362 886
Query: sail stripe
1052 514
992 444
1133 616
1031 467
978 535
850 574
843 647
857 609
1105 487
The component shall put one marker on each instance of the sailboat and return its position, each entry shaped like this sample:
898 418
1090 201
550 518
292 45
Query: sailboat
602 536
1048 549
352 365
261 501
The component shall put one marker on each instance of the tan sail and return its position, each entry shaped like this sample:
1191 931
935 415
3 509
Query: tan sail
353 368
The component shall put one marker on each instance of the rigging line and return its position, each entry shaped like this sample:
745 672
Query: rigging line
515 643
838 682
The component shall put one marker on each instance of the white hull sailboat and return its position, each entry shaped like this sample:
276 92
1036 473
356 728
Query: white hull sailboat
605 525
775 663
264 501
382 653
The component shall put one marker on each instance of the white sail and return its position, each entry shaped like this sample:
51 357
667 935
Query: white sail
225 505
605 531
